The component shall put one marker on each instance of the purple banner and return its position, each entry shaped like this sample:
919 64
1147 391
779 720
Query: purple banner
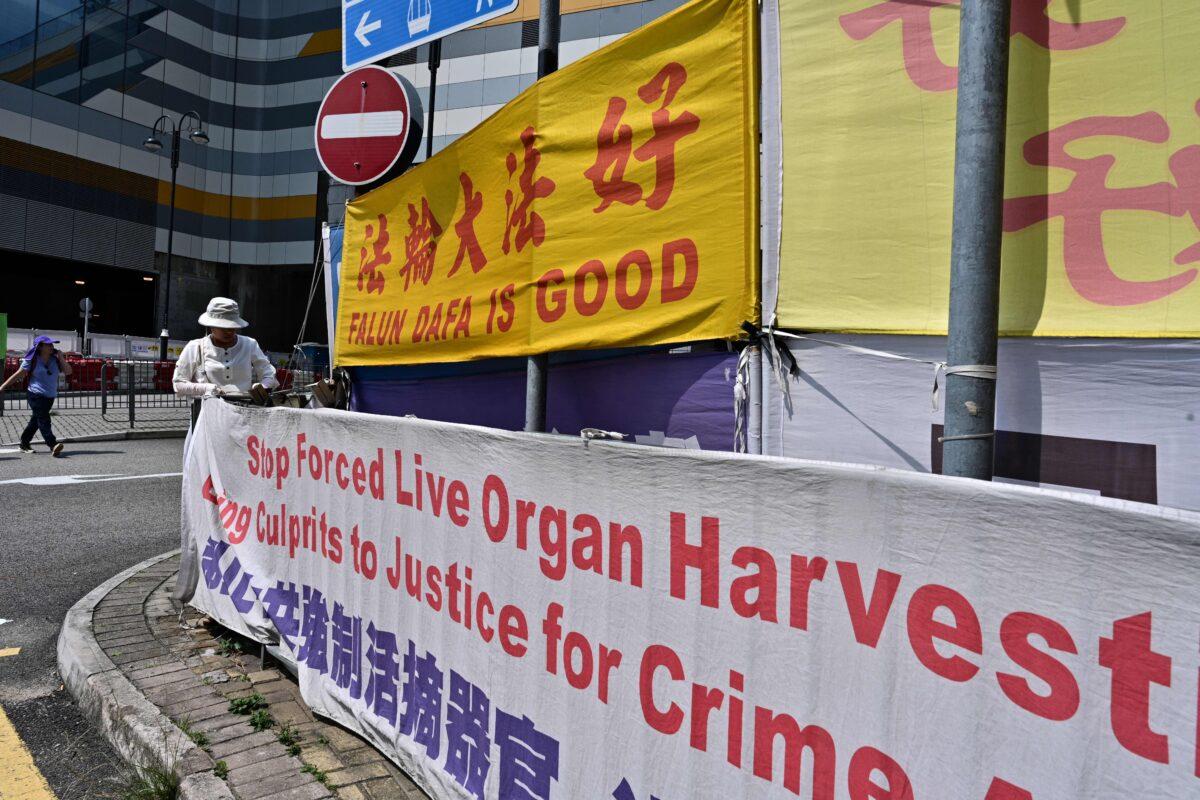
681 399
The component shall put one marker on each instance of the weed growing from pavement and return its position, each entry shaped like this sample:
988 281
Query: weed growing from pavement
221 770
151 783
319 774
228 647
289 737
199 738
323 740
245 705
261 720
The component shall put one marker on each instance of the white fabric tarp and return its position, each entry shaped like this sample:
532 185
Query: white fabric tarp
602 620
1118 417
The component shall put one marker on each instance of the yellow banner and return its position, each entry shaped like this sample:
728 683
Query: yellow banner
1102 215
614 203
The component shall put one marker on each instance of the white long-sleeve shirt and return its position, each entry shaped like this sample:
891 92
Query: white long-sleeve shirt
203 366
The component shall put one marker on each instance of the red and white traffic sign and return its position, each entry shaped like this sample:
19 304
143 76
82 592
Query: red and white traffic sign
365 124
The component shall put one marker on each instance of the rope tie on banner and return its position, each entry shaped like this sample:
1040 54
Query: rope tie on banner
769 336
741 398
965 437
590 434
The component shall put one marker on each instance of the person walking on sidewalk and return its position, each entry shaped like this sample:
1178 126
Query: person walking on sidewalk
43 363
223 362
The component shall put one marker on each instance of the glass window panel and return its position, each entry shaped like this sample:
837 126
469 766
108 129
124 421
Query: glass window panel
103 55
17 27
137 60
50 10
60 31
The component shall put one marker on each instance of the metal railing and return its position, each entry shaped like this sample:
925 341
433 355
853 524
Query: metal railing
109 386
119 388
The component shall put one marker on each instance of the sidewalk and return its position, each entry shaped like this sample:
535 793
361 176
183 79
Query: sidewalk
72 425
162 695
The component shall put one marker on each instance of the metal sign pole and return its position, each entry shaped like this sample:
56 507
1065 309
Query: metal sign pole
537 366
970 430
435 61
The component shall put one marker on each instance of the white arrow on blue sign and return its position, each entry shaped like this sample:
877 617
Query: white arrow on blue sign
372 30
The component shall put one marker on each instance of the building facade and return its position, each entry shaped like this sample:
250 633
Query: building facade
84 207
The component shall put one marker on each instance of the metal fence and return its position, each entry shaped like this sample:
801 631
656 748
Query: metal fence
106 386
117 387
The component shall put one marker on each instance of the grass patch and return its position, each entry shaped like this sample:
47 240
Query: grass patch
199 738
151 783
289 737
319 774
221 770
248 704
262 720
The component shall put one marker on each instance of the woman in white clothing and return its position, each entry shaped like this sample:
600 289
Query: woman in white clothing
220 364
223 362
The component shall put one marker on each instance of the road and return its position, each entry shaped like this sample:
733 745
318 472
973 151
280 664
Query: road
66 526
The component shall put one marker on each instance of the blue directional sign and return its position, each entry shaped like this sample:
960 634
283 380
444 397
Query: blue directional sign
372 30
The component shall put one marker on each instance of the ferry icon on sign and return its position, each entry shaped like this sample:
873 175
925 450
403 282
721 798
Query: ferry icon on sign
420 13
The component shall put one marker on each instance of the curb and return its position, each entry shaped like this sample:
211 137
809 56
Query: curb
137 730
130 435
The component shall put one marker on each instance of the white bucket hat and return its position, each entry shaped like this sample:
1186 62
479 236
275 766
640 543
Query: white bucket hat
222 313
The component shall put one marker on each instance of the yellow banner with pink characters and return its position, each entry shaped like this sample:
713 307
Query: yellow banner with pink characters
1102 211
614 203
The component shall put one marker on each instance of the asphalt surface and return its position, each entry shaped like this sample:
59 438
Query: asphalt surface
86 517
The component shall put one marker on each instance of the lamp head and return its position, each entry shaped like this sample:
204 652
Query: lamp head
153 144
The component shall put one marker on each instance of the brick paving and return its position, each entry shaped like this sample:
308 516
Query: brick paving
193 673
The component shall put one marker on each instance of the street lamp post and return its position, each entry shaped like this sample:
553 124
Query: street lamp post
154 144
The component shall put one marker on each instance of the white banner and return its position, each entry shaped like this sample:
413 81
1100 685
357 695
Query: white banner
517 616
1115 417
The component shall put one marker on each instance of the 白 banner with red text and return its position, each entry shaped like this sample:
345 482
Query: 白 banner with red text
515 616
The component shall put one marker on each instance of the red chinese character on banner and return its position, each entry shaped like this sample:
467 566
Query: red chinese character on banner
921 61
1083 204
667 131
614 144
468 242
371 267
420 245
528 224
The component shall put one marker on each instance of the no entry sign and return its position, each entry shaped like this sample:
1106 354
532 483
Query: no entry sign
365 124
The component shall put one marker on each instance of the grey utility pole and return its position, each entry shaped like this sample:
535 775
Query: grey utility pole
969 441
537 367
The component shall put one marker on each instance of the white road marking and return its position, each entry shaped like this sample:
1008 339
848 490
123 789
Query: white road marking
4 451
67 480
